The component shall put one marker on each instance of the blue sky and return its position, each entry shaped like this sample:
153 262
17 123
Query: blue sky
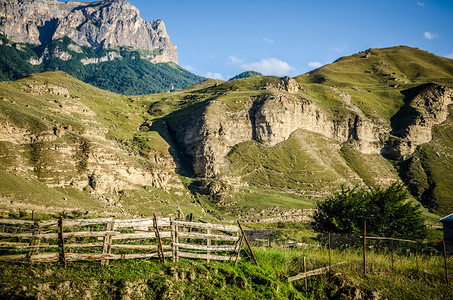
220 39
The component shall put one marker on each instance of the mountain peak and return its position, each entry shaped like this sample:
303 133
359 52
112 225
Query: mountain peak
101 24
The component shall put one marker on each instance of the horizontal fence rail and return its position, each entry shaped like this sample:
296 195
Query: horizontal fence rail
205 241
108 239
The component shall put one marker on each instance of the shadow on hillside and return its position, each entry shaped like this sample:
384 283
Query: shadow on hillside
181 159
172 129
407 113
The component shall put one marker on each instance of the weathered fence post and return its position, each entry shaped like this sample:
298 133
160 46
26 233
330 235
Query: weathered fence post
445 261
248 244
305 279
364 247
63 253
107 246
34 250
208 243
330 258
173 239
160 241
239 250
190 228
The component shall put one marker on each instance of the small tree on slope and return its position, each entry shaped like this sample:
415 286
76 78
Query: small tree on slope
388 212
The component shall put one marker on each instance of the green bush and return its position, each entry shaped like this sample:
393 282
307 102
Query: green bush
388 212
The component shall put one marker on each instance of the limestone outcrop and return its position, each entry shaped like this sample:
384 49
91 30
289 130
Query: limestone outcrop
426 106
268 119
102 24
79 155
272 117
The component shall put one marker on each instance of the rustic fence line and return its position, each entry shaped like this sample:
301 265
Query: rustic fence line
362 242
108 239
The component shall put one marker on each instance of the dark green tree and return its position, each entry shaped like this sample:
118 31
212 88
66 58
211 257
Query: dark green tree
388 212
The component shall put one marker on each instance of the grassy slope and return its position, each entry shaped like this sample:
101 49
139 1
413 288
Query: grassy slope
117 118
376 77
302 163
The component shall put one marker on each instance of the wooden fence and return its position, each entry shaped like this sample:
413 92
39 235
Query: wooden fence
111 239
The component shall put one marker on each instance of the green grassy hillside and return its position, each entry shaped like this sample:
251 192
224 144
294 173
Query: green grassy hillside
56 130
375 78
257 179
246 74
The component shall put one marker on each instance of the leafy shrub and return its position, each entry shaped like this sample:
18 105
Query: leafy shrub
388 212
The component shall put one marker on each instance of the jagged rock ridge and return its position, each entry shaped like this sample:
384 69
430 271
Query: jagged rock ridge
101 24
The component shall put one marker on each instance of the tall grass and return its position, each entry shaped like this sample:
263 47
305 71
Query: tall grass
403 280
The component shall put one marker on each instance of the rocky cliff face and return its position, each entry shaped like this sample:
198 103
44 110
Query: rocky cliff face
271 117
59 154
268 119
426 106
101 24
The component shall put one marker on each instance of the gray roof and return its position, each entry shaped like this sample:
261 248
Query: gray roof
448 218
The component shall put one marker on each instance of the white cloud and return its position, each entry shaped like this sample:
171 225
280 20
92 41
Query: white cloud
188 67
269 66
420 3
268 40
314 64
235 60
450 55
214 75
428 35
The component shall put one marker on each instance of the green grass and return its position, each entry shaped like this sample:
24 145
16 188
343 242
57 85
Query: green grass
256 198
33 193
373 169
200 280
146 279
369 79
305 161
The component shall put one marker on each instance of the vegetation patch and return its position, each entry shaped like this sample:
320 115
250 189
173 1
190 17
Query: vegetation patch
387 213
